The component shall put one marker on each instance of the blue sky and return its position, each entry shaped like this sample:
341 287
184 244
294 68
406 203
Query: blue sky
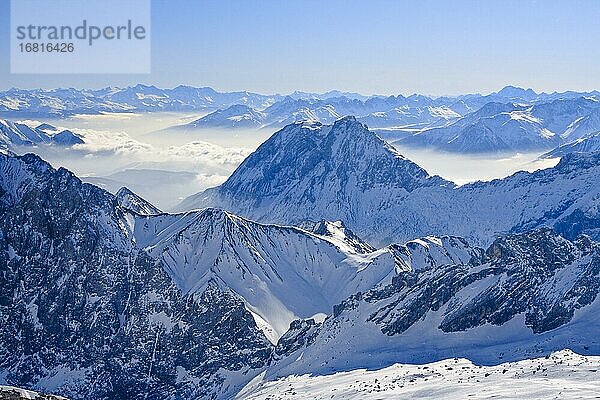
376 46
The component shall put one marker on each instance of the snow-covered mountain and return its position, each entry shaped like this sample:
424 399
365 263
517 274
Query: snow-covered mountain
451 123
132 202
236 116
130 276
394 111
583 126
527 296
343 166
560 114
585 144
345 172
327 95
496 127
513 93
290 110
102 285
417 117
510 127
88 314
104 296
281 273
139 98
17 134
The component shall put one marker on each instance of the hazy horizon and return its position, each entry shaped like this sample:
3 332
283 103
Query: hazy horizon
380 47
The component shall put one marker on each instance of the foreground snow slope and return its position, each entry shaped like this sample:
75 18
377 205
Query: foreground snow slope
564 374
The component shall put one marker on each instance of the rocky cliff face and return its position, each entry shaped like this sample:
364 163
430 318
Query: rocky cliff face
87 314
527 294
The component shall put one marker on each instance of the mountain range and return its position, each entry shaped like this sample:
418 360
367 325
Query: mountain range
58 103
460 310
13 134
102 285
510 120
325 252
513 127
345 172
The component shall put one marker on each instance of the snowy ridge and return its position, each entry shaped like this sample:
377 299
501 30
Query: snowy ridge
463 310
236 116
339 234
585 144
138 98
431 251
281 273
132 202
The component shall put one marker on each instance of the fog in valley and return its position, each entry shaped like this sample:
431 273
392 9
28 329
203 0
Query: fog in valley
164 163
463 168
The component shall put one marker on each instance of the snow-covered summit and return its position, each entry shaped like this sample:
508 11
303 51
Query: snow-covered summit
344 172
338 165
282 273
132 202
234 117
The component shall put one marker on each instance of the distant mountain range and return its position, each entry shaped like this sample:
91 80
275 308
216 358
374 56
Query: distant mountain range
14 134
510 127
512 119
140 98
417 113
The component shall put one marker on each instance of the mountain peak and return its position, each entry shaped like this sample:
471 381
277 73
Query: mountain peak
541 244
132 202
517 92
331 171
